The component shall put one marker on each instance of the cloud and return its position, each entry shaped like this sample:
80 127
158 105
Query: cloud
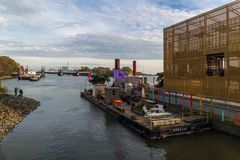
106 28
19 7
3 21
87 45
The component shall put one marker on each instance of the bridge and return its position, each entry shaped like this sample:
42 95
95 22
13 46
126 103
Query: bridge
74 73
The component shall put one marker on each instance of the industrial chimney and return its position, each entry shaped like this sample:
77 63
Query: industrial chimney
134 68
117 64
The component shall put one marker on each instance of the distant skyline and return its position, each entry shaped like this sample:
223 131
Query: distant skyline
51 32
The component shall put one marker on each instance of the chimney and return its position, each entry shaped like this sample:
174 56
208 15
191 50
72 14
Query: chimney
117 64
134 68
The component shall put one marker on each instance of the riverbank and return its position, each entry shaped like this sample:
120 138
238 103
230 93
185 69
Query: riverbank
13 109
6 77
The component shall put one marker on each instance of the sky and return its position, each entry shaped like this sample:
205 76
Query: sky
92 32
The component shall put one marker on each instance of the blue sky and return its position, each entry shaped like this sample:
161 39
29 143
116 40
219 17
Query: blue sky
67 30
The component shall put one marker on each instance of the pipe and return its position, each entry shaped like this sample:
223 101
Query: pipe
117 64
134 68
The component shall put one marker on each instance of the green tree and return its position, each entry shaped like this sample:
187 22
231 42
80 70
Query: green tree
99 79
160 80
160 76
84 69
102 71
127 70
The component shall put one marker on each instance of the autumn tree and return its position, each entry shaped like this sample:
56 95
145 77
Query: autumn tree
7 66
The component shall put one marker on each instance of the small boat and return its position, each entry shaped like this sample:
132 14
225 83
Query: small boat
35 78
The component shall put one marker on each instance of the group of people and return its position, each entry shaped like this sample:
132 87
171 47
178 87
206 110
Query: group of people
18 90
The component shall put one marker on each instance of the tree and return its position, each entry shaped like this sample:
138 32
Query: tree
160 76
7 66
102 71
84 69
99 79
127 70
160 79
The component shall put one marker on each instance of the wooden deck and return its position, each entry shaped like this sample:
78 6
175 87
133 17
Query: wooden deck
191 123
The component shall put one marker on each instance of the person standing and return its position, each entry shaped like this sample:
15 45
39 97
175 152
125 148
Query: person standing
20 92
15 91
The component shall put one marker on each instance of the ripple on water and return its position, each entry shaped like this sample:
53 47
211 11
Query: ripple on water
68 127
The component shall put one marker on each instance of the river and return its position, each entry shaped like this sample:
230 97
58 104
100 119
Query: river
70 128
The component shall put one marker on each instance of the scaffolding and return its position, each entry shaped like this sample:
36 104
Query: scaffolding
202 54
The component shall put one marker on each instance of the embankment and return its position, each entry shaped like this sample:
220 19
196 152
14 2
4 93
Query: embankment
13 109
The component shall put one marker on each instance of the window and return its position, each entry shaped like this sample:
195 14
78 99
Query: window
215 65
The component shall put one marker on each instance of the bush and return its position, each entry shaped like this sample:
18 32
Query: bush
99 79
3 89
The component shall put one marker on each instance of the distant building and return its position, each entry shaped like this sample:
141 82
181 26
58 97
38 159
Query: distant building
202 54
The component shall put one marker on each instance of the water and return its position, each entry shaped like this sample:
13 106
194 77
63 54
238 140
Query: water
68 127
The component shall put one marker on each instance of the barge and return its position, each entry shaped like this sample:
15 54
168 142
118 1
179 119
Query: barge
193 123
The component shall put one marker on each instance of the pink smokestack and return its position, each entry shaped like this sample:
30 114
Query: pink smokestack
89 75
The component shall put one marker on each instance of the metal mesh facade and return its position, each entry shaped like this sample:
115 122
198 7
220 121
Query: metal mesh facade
202 54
